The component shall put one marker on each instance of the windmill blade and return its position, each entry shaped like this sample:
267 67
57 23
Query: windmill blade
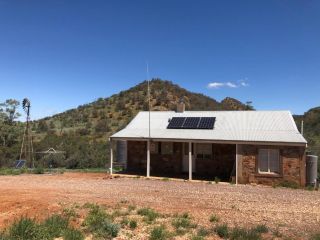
26 105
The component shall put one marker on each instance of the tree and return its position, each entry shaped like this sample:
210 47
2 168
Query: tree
8 110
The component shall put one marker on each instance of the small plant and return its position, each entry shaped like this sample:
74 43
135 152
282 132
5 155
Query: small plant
209 182
124 221
55 225
202 232
159 233
108 230
315 237
72 234
165 179
69 213
261 228
288 184
222 230
38 170
131 208
214 218
149 214
25 229
217 180
133 224
182 222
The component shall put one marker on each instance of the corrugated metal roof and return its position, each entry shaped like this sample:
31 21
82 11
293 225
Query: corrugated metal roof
247 126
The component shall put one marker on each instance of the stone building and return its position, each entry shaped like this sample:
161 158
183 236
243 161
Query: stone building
263 147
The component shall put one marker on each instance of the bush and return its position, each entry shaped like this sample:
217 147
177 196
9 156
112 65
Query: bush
100 223
159 233
133 224
313 237
38 170
288 184
183 221
72 234
27 229
202 232
217 180
149 214
222 230
214 218
55 225
261 228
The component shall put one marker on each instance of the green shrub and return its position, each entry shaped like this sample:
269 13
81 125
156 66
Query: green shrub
108 230
38 170
214 218
261 228
222 230
133 224
72 234
95 218
55 225
313 237
288 184
149 214
27 229
202 232
217 180
165 179
182 221
159 233
197 237
131 208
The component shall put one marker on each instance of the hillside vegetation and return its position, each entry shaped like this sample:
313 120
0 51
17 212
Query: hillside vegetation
311 121
83 132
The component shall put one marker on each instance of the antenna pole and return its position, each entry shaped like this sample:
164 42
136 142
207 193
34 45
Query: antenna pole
302 127
149 104
149 135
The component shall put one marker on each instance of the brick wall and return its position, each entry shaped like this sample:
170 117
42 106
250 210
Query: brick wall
292 165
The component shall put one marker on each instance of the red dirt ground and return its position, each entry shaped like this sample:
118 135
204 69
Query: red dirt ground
295 212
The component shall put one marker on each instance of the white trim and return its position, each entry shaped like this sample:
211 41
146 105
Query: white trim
111 158
148 158
190 161
213 141
268 172
237 163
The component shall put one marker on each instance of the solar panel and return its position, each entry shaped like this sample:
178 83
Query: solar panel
20 163
176 123
207 123
191 123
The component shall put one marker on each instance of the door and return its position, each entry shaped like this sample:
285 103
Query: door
185 160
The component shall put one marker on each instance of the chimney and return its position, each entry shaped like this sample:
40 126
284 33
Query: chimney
181 107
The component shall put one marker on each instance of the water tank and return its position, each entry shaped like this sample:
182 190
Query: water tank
122 153
311 169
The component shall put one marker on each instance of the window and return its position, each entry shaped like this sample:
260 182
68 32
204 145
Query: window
269 161
204 150
154 147
166 148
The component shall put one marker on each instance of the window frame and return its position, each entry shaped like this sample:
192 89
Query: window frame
279 161
203 155
162 148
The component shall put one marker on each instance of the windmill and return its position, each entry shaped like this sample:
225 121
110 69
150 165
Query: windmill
26 152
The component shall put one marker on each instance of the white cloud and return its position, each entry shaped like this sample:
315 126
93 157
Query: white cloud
217 85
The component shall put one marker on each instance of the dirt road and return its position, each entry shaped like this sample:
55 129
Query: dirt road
291 211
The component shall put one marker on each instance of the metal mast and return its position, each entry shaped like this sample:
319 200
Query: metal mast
27 145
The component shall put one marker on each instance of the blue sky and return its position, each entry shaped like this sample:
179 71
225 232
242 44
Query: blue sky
62 54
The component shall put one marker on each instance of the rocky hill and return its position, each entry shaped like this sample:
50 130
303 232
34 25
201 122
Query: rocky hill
83 132
107 115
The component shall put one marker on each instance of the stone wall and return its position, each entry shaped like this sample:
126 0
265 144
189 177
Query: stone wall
292 165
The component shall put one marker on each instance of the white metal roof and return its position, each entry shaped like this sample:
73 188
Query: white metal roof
232 126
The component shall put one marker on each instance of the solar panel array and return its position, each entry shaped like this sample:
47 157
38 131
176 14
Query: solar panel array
191 123
20 163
